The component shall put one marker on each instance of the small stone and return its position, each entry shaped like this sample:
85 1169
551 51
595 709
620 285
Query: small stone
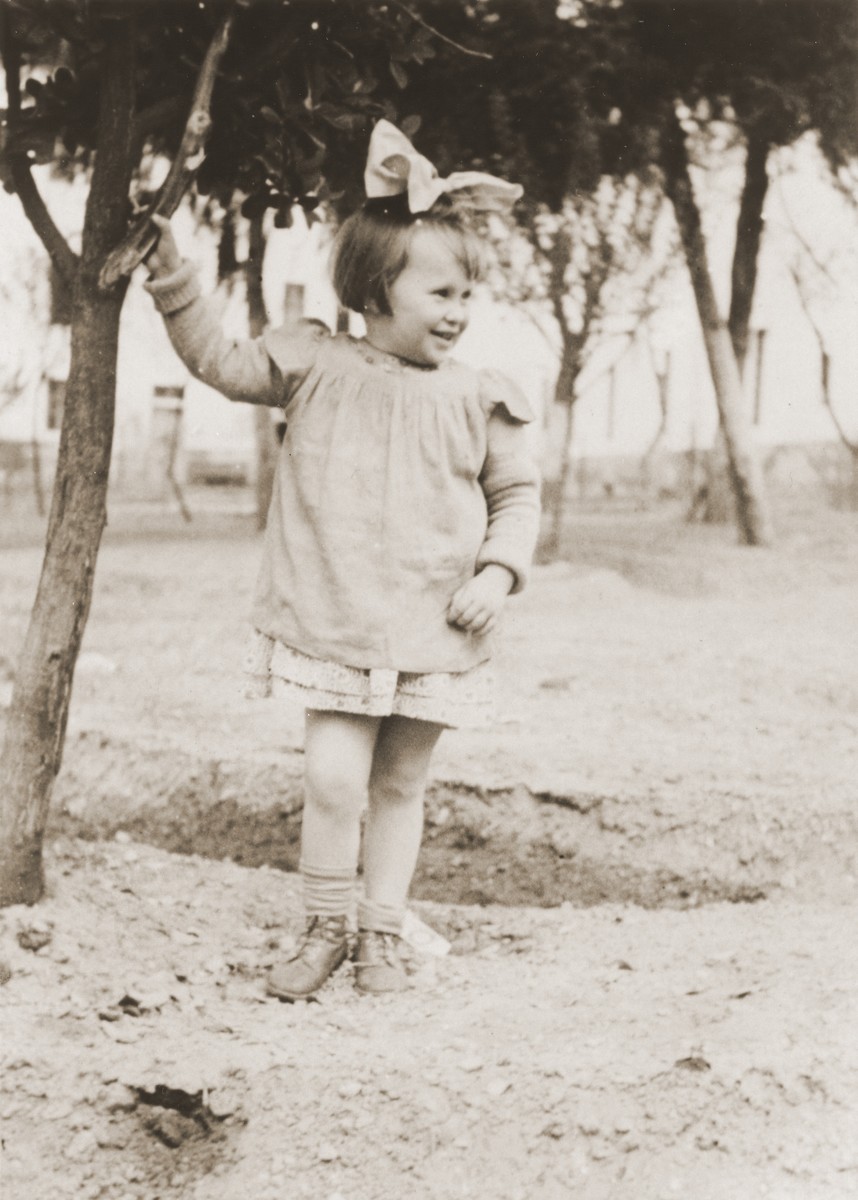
327 1153
152 1001
112 1139
34 937
694 1062
61 1110
471 1063
222 1102
497 1087
122 837
124 1032
117 1098
82 1146
349 1089
171 1127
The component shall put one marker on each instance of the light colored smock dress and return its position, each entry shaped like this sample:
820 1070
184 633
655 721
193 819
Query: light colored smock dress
396 483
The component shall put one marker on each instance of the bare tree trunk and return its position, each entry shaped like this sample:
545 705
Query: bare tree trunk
662 382
36 727
720 504
749 237
745 474
266 440
38 485
564 389
564 395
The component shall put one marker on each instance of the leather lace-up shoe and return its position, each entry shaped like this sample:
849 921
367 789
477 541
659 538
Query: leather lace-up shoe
323 947
378 965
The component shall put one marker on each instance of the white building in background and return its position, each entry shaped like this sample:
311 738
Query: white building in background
163 414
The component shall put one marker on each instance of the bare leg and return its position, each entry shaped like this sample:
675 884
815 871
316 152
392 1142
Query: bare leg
394 826
338 757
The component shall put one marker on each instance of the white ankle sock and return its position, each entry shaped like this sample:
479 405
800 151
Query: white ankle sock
327 891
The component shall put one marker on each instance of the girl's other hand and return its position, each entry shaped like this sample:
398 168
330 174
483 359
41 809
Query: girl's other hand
165 258
477 604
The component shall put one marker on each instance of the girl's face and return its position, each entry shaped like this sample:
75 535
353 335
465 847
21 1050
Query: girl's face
429 303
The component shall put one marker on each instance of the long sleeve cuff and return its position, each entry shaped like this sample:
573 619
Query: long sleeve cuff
509 553
175 291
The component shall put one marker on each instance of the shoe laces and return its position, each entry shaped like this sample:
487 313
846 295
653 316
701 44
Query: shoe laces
328 929
388 946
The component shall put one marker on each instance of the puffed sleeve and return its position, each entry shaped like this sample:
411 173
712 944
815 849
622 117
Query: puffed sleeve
509 479
263 370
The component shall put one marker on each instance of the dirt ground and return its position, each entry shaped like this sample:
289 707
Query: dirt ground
645 873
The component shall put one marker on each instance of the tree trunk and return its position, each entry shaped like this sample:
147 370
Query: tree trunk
720 507
266 440
36 727
564 389
564 395
662 383
745 474
749 236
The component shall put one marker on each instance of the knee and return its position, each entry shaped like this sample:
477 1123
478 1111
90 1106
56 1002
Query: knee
333 789
396 784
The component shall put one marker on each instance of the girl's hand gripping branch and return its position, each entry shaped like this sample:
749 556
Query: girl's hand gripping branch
477 605
165 258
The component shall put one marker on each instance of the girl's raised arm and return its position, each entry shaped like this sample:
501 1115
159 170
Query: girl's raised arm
240 368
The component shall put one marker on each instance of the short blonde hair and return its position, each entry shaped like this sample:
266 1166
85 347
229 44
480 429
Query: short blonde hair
371 249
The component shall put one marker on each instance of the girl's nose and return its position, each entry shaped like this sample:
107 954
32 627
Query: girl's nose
457 311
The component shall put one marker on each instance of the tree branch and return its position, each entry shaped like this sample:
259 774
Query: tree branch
143 235
438 34
847 441
61 254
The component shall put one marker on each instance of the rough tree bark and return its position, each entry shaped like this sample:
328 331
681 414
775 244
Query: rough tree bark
36 725
744 469
266 441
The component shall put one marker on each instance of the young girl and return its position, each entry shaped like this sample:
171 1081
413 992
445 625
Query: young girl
405 510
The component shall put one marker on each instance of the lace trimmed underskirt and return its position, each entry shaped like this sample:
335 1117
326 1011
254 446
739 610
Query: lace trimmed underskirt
454 699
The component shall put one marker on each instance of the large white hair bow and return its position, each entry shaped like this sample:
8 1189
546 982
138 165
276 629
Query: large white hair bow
394 167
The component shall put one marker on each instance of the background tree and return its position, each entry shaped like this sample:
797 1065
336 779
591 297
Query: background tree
819 285
767 72
579 90
593 269
299 84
